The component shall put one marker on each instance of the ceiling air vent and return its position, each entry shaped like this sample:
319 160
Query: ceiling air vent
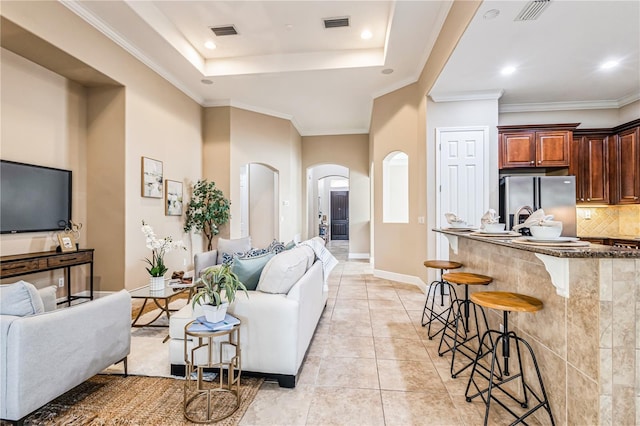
224 30
532 10
336 22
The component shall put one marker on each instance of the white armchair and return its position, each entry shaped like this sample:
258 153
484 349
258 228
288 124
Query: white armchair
46 354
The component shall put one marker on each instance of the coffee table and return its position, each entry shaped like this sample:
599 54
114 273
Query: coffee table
161 298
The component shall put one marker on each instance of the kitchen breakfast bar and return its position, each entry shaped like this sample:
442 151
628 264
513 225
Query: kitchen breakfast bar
587 336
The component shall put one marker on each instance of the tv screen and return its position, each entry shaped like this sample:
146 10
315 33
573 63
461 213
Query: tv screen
33 198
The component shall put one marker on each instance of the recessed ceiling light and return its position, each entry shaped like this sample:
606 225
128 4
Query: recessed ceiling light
508 70
387 71
366 35
210 45
288 27
609 64
490 14
206 81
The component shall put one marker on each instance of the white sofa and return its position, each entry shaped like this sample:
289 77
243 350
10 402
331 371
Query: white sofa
45 354
276 328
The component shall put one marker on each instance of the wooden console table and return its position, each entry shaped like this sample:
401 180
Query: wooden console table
29 263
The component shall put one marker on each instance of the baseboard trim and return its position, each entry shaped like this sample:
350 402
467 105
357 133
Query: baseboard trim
394 276
358 255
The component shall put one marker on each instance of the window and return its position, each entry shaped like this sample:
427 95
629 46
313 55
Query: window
395 188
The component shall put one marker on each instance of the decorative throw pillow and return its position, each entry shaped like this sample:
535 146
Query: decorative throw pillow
282 272
20 299
239 245
276 247
248 269
291 244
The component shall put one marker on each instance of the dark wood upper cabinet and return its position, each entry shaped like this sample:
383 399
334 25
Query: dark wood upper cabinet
546 145
590 165
626 174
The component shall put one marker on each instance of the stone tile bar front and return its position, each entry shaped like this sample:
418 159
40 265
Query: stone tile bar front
587 336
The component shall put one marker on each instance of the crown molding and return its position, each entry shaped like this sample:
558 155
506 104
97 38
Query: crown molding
629 99
479 95
563 106
79 9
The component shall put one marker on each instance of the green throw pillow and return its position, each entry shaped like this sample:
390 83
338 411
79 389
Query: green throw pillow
249 269
291 244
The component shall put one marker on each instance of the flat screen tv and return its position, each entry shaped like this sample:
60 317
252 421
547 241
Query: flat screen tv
33 198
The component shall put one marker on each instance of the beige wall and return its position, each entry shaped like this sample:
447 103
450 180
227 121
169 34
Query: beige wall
216 152
44 123
233 138
159 122
352 152
272 141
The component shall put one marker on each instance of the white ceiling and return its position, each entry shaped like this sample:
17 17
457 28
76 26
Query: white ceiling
284 63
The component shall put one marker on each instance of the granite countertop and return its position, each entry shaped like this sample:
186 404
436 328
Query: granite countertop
613 237
592 251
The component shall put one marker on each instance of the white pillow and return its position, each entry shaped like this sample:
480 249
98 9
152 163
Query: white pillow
20 299
310 255
239 245
283 271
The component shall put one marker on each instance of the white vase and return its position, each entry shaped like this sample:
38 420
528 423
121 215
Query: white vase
156 283
215 313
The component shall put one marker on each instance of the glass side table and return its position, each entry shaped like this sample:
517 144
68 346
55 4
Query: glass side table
204 401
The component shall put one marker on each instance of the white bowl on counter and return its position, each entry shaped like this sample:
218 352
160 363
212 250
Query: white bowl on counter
549 229
494 227
459 224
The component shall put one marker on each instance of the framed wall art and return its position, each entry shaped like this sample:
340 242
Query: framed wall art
151 178
173 198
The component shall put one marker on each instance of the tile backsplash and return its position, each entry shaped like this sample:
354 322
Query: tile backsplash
610 221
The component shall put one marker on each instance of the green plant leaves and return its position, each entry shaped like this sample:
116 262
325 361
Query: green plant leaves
207 210
216 280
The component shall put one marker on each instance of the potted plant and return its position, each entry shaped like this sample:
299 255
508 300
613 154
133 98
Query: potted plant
159 247
217 279
207 210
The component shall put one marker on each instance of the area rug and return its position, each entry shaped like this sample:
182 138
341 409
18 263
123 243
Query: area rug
133 400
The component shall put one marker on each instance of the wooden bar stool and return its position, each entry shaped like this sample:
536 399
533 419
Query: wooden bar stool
429 310
506 302
457 335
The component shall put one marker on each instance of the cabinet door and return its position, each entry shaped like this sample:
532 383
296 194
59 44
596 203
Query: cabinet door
576 164
596 170
517 149
552 149
628 167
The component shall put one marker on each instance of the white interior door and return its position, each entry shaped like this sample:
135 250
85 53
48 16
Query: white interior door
462 177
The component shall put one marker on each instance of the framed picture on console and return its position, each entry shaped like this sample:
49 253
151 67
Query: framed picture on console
67 241
173 198
151 178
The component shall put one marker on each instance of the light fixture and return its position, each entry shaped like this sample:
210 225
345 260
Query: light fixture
206 81
366 34
387 71
491 13
508 70
288 27
609 64
210 45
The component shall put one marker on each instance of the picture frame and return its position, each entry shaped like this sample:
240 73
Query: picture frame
151 178
173 198
67 241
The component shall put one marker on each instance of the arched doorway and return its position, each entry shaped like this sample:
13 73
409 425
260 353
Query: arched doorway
259 191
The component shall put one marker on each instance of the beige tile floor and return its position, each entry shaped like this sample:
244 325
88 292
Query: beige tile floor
371 363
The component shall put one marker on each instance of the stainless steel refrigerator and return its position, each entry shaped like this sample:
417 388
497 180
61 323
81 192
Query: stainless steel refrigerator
555 194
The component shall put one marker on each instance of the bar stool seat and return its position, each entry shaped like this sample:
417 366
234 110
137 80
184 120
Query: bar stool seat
457 335
506 302
429 311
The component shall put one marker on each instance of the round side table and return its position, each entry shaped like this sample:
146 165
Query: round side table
200 396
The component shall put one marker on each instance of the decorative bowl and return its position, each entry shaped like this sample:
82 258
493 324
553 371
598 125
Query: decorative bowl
494 227
548 230
459 224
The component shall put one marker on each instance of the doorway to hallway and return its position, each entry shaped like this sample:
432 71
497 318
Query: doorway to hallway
339 215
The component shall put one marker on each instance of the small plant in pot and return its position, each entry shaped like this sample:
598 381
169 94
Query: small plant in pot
215 280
